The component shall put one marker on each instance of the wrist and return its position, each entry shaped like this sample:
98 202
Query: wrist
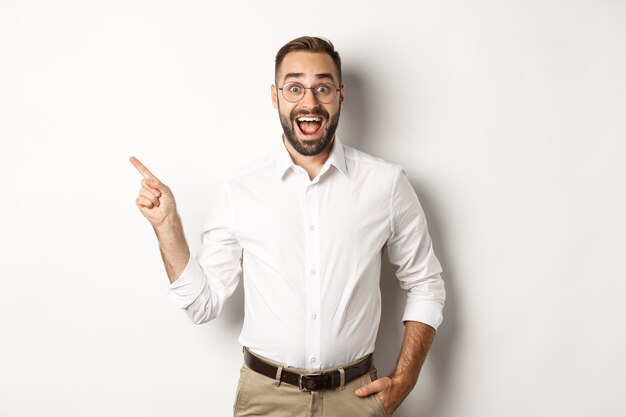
170 224
403 382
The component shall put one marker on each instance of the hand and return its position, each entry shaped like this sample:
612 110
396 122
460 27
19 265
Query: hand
390 391
155 201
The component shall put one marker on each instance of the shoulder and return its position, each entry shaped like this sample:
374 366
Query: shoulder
255 169
366 164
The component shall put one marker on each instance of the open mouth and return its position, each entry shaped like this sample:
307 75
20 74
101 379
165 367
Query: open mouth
309 125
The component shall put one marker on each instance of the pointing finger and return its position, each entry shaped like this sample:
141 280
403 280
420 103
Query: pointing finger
141 168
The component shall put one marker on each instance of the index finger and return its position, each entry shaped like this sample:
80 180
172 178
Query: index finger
141 168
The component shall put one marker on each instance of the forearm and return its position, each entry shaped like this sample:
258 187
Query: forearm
393 389
418 337
173 247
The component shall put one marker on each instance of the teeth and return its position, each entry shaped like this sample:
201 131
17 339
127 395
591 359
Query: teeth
309 119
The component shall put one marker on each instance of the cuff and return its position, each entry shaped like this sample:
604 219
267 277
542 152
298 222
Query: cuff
189 284
425 311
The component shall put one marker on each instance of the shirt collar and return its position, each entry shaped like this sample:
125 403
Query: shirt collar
283 160
337 158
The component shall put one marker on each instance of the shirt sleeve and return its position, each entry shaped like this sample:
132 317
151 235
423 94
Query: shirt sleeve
213 275
410 248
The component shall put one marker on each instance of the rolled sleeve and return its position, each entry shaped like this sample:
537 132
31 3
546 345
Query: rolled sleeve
410 248
186 289
212 276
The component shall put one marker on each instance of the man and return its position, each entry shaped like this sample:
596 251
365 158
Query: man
306 227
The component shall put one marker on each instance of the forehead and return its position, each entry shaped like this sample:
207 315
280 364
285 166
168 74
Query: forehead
308 65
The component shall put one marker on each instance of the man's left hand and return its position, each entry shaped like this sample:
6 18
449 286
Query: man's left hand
391 391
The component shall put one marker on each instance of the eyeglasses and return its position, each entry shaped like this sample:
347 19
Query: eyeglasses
324 93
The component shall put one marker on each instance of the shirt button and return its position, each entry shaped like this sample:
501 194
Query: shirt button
311 227
313 359
313 316
313 272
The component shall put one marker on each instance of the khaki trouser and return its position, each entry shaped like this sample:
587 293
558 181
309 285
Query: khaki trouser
259 395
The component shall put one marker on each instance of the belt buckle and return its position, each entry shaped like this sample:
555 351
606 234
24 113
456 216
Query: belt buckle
311 376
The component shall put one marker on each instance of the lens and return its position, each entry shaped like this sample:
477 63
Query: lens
325 93
293 91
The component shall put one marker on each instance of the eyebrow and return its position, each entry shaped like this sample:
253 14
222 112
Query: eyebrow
321 76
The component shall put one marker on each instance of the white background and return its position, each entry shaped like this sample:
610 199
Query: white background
509 117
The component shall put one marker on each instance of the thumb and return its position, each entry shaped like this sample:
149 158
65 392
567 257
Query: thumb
369 389
156 183
152 182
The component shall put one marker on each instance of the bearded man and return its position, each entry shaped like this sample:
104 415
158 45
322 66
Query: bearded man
306 227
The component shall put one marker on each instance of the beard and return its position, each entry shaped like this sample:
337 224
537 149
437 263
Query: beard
311 147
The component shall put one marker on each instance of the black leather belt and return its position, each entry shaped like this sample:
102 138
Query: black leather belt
308 382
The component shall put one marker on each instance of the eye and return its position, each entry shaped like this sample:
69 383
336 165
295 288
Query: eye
294 88
322 89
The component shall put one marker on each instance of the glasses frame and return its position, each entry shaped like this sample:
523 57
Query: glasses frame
282 92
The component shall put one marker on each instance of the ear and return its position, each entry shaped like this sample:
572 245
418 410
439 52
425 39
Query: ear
274 96
342 94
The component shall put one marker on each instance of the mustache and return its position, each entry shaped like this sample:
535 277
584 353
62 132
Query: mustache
312 112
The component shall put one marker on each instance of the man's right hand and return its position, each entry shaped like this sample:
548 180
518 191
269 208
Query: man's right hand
155 201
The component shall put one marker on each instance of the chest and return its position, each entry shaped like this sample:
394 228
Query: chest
290 217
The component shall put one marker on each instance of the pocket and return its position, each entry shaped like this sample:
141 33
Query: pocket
243 376
380 405
381 408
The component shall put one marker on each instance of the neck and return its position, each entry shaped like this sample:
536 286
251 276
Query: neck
311 164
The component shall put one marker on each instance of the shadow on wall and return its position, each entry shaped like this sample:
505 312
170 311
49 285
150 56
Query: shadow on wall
356 115
356 112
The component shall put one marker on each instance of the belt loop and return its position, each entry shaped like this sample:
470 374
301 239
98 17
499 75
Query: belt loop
279 372
342 378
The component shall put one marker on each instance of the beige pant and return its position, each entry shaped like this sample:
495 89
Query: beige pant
258 395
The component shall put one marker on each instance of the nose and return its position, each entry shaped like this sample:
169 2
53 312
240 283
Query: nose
309 99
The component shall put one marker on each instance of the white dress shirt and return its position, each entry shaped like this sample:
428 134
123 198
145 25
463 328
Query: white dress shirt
310 255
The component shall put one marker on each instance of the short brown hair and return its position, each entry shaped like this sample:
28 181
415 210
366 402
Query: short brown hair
308 44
